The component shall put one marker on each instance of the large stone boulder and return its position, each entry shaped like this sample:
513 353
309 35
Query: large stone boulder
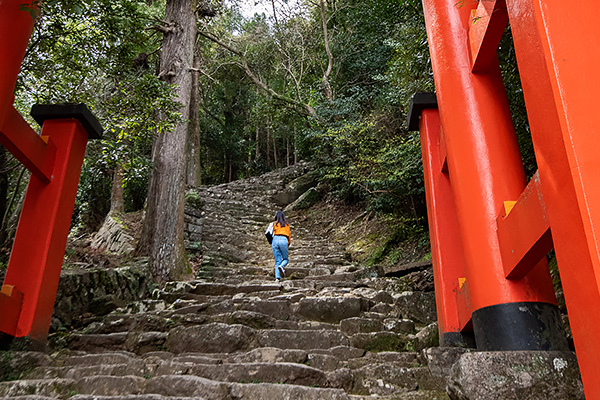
516 375
296 188
417 306
306 200
114 237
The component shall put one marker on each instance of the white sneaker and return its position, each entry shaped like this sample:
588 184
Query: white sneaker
276 280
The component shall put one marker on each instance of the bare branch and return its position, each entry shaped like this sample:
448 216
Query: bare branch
326 85
305 109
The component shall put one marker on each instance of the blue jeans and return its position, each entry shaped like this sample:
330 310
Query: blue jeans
280 252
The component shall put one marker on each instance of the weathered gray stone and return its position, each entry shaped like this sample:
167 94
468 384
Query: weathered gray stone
78 288
382 308
427 337
418 395
516 375
16 363
196 358
128 397
399 325
288 373
144 342
380 341
324 362
342 353
103 358
441 359
278 309
110 385
114 237
305 340
350 326
296 188
417 306
186 385
404 269
386 379
329 309
254 320
341 378
211 338
404 359
306 200
284 392
271 355
95 343
49 387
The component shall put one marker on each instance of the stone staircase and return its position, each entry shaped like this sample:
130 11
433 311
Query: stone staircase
330 331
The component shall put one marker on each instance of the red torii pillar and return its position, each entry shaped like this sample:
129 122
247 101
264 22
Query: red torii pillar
446 247
485 169
555 45
54 159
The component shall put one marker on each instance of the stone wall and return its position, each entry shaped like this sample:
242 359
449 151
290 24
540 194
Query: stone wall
85 293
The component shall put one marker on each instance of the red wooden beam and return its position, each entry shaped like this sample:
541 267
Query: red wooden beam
16 26
524 234
487 26
27 147
39 246
11 302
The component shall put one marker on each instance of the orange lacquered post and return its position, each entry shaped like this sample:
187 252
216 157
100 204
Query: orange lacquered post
446 247
485 170
15 29
555 44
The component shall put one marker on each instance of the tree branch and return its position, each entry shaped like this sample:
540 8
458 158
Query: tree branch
326 85
305 109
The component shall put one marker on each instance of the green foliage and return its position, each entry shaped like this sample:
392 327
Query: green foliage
101 53
516 101
104 53
193 199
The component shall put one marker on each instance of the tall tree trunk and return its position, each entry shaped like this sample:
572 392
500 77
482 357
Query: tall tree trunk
268 143
275 152
162 232
287 154
117 203
295 145
257 146
194 171
6 219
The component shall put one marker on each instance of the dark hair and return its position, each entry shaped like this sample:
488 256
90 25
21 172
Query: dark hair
280 219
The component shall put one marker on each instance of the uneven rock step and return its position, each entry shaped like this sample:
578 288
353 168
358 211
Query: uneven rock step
167 385
288 373
330 330
418 395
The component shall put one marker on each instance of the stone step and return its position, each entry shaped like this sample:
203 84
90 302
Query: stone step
416 395
388 379
217 337
173 386
280 372
178 385
130 397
